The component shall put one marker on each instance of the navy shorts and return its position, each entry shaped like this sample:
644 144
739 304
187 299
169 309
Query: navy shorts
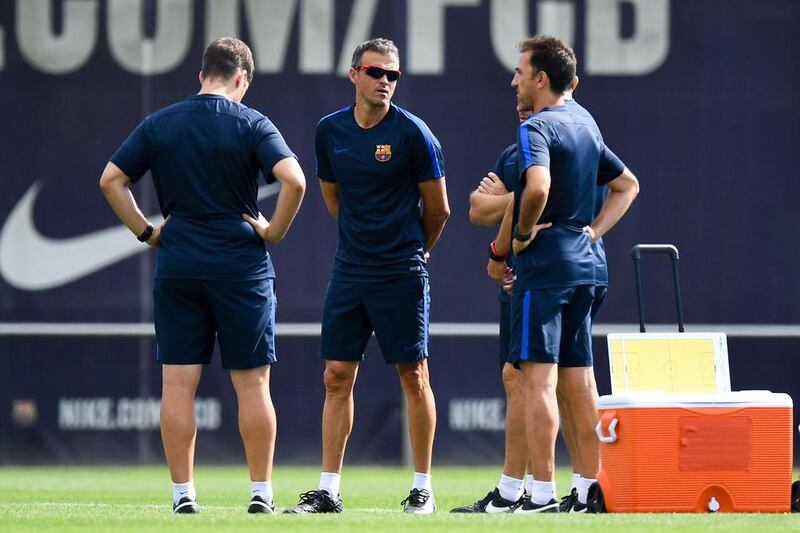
504 348
190 314
396 310
599 297
552 326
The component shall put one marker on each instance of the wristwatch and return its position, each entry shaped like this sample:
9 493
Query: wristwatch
521 237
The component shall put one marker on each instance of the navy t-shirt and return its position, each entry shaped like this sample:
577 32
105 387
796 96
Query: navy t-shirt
565 142
610 167
205 154
378 170
506 169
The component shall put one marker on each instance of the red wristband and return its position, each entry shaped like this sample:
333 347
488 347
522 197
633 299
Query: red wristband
493 254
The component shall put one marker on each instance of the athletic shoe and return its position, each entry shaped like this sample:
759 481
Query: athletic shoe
529 507
419 501
185 506
491 503
316 501
579 507
260 505
568 501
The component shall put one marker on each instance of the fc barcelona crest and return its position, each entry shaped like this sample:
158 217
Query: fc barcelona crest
383 152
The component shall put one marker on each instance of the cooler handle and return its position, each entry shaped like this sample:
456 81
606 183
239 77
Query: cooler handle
612 431
672 252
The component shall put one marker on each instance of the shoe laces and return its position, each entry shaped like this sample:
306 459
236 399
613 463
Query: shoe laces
569 500
318 497
417 498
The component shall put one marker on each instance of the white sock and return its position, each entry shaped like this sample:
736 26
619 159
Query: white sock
583 489
529 484
183 490
543 492
329 481
422 481
575 478
263 489
509 487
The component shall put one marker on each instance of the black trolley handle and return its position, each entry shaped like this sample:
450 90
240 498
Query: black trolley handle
653 249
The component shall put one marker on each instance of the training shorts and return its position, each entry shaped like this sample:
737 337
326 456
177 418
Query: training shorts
190 314
396 310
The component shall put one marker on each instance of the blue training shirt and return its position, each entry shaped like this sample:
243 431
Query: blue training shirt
610 168
205 154
565 142
378 170
506 169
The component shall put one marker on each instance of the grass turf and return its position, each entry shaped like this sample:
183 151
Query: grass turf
138 499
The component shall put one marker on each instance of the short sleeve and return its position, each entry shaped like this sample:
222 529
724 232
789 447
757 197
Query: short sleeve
610 166
131 157
270 146
532 146
427 160
498 167
324 169
506 167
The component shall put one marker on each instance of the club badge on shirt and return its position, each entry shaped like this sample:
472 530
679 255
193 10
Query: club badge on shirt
383 152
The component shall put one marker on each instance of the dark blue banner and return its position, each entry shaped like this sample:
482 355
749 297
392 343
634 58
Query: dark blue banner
698 98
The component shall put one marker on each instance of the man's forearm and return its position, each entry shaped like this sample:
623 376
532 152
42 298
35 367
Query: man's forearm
124 205
487 209
531 206
502 243
286 208
432 225
614 207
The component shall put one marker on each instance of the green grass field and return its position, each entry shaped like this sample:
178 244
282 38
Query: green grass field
139 499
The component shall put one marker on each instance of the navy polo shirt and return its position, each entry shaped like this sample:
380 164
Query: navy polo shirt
378 170
205 154
571 147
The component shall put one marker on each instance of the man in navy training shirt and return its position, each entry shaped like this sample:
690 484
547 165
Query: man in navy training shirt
213 277
382 177
488 204
554 225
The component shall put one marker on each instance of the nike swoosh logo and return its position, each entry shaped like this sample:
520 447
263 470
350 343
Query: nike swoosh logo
340 150
491 509
31 261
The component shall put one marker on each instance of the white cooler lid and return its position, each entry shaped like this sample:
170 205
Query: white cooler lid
748 398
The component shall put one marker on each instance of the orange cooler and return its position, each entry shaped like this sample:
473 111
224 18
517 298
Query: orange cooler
696 452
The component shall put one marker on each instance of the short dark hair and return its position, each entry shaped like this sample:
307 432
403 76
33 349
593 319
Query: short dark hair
379 45
554 57
225 56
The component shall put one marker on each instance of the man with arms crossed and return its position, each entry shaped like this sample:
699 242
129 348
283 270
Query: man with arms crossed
377 163
213 277
554 227
487 205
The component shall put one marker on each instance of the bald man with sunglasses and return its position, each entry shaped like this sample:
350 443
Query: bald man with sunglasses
377 165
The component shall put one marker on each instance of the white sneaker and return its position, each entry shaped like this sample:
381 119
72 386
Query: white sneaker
419 501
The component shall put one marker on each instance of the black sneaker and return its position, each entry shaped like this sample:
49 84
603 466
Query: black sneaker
529 507
419 501
491 503
260 505
185 506
578 507
316 501
568 501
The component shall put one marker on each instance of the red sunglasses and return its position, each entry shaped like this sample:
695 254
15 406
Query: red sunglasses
379 72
